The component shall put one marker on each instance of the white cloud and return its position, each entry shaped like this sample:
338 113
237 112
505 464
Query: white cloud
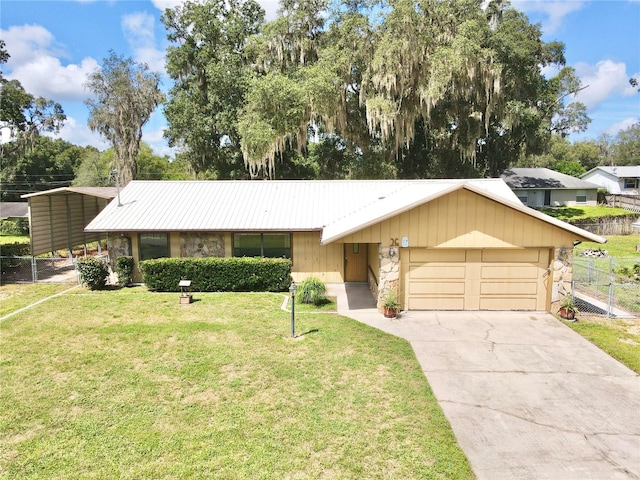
623 125
79 134
35 62
554 10
138 29
604 79
47 77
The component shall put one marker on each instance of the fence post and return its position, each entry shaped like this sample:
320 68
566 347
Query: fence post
610 303
34 270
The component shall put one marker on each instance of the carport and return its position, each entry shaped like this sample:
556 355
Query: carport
57 217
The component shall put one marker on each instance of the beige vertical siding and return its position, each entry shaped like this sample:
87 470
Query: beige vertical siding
57 221
310 259
464 219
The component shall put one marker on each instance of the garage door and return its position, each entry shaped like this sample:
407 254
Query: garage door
477 279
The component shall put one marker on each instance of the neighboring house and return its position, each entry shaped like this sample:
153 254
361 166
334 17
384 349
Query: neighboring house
14 210
57 217
541 187
616 180
441 244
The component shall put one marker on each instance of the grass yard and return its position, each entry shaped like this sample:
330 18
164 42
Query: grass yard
13 297
130 384
619 338
572 213
10 239
617 246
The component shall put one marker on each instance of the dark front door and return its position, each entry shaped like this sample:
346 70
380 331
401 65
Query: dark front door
547 198
355 258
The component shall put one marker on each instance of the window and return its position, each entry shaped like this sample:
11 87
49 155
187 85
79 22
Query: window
581 196
272 245
154 245
523 197
630 183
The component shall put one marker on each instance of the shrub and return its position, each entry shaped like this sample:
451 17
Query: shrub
93 272
124 270
15 250
214 274
312 290
19 226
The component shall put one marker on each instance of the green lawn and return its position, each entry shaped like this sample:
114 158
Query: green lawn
585 213
619 338
9 239
616 246
16 296
130 384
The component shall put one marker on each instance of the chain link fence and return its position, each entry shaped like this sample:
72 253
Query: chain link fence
608 286
16 269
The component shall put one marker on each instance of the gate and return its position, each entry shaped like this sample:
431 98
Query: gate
35 269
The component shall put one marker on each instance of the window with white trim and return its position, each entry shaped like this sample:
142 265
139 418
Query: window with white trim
581 196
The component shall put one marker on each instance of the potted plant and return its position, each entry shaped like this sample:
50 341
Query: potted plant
390 304
568 307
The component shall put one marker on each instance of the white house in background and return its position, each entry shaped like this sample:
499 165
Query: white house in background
617 180
541 187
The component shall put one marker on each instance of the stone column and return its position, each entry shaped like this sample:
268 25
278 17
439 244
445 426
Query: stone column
389 272
562 273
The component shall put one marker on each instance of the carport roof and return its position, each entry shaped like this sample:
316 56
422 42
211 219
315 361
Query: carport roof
100 192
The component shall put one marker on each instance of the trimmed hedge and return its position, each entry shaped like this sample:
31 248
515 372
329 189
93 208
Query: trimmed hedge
215 274
124 269
15 250
93 272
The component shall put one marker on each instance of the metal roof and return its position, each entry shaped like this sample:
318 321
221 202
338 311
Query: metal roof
233 205
525 178
100 192
336 207
620 172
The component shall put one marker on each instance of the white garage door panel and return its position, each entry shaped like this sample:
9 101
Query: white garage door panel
436 303
421 255
511 256
436 288
508 303
513 288
510 271
436 272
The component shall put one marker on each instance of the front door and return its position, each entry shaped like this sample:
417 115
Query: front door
355 260
547 198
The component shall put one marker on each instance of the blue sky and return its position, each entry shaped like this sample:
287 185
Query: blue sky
54 44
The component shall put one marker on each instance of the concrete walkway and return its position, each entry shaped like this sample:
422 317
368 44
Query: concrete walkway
527 397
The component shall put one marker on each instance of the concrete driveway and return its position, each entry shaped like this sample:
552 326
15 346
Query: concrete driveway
526 396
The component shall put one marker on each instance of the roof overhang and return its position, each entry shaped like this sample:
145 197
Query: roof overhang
108 193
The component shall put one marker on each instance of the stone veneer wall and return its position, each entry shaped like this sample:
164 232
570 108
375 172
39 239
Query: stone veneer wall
562 273
201 244
389 273
118 245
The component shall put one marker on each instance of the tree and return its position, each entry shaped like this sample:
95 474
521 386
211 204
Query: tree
408 88
627 146
570 167
46 164
24 115
210 72
126 94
